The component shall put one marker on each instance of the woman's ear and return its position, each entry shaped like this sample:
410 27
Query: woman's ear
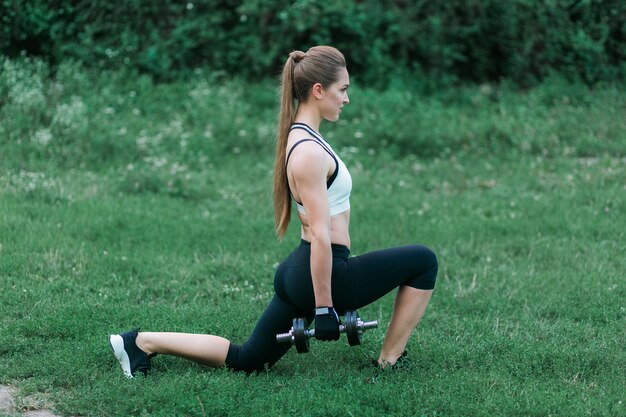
317 90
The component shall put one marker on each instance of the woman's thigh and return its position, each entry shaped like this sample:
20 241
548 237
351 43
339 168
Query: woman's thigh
365 278
360 280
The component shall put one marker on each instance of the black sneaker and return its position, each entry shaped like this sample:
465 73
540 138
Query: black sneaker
128 354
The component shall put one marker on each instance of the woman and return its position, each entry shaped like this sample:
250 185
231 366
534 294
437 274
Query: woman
318 280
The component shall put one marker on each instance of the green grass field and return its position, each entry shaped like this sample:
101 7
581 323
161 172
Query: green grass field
124 204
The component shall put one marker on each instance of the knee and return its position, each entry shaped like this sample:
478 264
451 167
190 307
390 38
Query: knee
427 267
239 359
431 259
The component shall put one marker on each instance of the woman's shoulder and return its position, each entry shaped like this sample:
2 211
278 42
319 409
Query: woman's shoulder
306 156
306 150
302 143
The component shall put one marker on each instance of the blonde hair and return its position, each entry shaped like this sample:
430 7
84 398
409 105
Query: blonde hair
320 64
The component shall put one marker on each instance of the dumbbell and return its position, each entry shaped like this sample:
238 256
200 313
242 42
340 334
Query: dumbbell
299 335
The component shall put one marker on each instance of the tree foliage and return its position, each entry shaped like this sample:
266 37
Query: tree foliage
457 40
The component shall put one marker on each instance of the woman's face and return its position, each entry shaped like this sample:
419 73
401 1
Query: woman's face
335 97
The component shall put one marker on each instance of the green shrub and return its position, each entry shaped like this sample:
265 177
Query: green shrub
448 42
89 119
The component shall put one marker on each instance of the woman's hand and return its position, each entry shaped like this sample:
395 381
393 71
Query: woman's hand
326 324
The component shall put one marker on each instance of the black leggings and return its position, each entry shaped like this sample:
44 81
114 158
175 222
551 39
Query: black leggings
356 281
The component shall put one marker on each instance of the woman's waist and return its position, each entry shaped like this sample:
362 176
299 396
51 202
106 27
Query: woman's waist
338 240
339 250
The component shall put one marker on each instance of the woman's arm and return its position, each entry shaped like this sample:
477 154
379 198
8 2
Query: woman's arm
309 168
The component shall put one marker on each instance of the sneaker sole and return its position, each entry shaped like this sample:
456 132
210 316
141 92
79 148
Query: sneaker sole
117 344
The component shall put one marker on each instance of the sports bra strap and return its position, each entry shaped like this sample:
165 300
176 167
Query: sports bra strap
313 133
294 146
330 180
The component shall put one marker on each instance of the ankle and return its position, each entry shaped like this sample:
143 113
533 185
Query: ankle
143 344
393 361
390 358
385 360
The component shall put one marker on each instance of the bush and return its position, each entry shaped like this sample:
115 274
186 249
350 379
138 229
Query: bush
453 41
80 117
159 135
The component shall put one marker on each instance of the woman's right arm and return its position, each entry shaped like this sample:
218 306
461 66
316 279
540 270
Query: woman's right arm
309 168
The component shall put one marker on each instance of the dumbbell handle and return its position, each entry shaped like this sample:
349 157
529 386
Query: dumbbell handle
361 325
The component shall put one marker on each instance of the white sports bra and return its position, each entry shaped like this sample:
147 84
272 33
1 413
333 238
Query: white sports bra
339 185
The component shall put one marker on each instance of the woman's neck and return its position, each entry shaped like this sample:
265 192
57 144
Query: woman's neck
309 116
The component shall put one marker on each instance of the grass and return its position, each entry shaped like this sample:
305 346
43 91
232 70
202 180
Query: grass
527 317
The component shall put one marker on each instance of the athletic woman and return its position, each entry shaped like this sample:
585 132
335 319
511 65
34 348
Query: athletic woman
318 280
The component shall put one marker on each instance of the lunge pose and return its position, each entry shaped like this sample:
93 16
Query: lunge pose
318 280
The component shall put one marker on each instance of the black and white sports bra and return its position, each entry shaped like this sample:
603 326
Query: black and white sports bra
339 185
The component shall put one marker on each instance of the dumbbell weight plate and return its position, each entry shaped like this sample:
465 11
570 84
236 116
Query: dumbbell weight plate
352 328
299 334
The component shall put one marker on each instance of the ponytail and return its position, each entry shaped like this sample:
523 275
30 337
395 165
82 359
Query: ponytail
282 199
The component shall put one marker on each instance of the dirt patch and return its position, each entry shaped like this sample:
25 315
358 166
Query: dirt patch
6 398
8 404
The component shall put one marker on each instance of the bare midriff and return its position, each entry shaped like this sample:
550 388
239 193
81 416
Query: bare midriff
339 228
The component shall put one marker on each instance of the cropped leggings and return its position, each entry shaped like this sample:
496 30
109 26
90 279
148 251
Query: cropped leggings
356 281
